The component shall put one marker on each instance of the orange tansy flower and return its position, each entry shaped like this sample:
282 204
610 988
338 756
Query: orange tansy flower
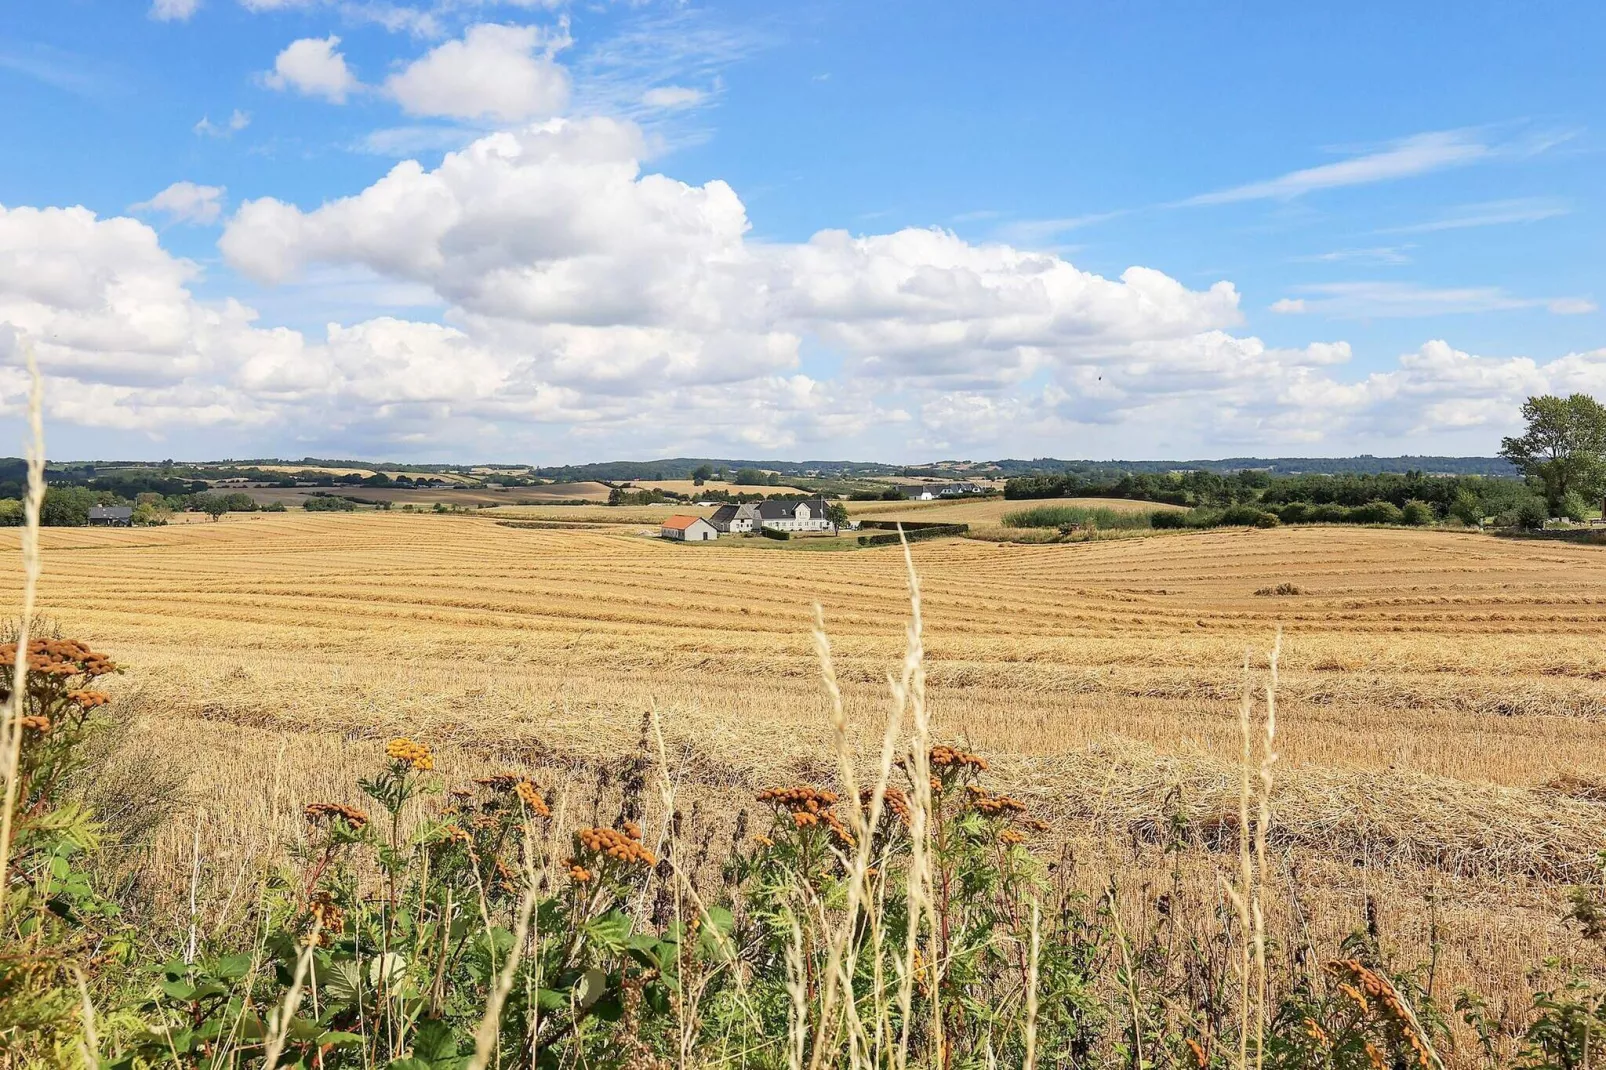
327 913
614 845
531 798
994 805
809 807
893 800
952 759
323 811
405 751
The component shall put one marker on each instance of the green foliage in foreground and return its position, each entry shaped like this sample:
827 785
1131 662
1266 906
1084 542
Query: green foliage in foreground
897 927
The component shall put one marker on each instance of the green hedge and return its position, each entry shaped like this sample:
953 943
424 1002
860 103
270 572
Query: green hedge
911 533
328 503
1056 516
772 533
908 525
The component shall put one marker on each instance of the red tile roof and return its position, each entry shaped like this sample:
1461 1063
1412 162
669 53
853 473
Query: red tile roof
680 523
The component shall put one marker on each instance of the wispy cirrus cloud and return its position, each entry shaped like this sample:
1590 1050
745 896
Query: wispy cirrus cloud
1406 157
664 70
1038 232
1487 214
1376 254
1415 155
54 67
1367 300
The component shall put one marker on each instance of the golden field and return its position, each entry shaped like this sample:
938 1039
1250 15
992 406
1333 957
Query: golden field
1441 723
987 512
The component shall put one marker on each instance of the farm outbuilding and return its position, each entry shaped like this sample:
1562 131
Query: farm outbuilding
688 529
117 516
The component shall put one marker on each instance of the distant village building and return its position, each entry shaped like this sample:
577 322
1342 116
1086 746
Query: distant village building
811 515
748 517
116 516
688 529
736 518
931 491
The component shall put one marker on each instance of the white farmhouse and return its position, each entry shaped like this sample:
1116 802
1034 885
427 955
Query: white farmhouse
688 529
810 515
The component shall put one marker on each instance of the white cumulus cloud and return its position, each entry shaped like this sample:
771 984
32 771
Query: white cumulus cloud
313 67
559 296
185 202
673 96
502 73
173 10
236 122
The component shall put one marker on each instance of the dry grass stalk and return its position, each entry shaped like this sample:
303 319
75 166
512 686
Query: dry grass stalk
491 1024
1029 1062
909 692
11 737
1254 793
280 1017
1268 756
841 962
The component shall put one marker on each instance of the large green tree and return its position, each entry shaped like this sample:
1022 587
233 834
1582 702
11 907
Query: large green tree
1564 448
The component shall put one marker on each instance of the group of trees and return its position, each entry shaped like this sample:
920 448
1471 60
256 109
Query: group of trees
68 507
1560 458
1563 451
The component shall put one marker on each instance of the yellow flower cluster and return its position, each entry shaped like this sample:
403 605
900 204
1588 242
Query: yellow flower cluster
89 699
414 755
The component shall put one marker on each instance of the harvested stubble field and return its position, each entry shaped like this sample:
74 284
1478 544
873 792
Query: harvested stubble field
986 516
1441 716
988 510
425 497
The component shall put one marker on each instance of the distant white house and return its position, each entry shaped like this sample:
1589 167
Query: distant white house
748 517
736 519
811 515
688 529
931 491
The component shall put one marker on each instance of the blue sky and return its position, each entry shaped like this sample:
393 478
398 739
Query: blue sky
888 230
